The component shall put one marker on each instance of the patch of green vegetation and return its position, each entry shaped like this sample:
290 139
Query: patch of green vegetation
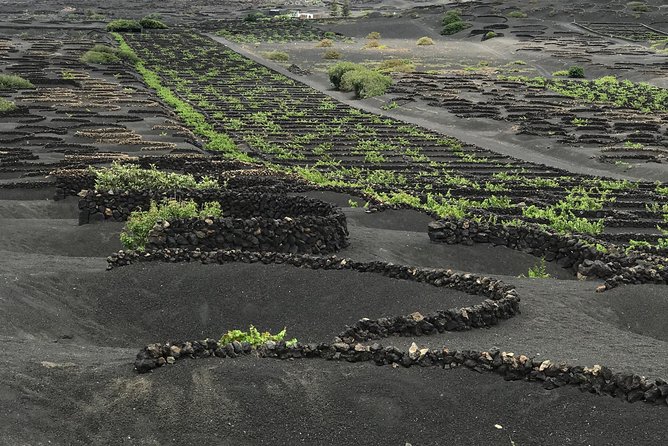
608 89
517 15
67 75
325 43
14 82
254 337
105 55
454 28
130 177
139 224
637 6
560 73
331 55
424 41
576 72
374 44
192 118
452 23
579 122
366 83
6 106
152 23
279 56
254 16
490 35
348 76
373 35
390 106
539 271
632 145
124 25
396 66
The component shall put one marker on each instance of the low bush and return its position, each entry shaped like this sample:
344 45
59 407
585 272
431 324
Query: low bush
140 223
423 41
560 73
366 83
99 58
104 55
452 16
396 66
576 72
325 43
124 25
279 56
490 35
151 23
6 106
348 76
517 15
373 35
337 71
331 54
372 44
13 82
454 28
128 177
254 17
254 337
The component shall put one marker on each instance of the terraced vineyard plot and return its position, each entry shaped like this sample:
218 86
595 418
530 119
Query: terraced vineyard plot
597 52
268 30
626 121
77 114
629 31
286 123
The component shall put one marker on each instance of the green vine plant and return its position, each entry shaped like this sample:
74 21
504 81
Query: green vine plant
255 338
129 177
140 223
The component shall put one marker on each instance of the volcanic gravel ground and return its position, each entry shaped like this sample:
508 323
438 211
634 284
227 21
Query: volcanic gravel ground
71 329
248 401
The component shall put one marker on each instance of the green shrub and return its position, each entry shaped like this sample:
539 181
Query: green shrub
279 56
254 337
375 35
454 28
124 25
129 177
337 71
396 66
325 43
254 17
539 271
151 23
490 35
637 6
6 106
372 44
104 55
452 16
422 41
560 73
100 58
366 83
331 54
139 224
13 82
576 72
